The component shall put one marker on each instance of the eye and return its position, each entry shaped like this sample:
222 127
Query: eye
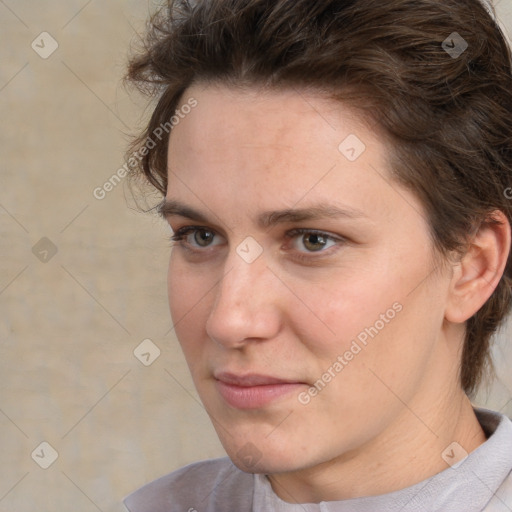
312 241
196 237
202 237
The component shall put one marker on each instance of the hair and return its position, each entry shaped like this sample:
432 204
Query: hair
447 116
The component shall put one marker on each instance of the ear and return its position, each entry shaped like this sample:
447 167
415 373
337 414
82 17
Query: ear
479 271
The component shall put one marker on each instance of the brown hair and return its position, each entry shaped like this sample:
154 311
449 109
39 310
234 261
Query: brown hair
449 116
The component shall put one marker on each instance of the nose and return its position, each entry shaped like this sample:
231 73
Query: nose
247 304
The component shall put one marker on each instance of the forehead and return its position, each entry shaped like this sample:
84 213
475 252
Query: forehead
281 118
249 149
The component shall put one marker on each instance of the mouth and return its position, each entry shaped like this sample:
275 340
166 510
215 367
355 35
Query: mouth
253 391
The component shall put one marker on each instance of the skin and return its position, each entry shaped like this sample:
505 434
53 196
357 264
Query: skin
397 405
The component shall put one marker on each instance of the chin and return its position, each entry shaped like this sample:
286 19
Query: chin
265 464
259 455
255 445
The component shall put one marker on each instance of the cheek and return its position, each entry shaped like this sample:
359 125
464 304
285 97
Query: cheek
337 312
386 338
367 319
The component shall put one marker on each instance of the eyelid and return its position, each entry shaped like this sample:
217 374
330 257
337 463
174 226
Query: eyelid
326 234
313 230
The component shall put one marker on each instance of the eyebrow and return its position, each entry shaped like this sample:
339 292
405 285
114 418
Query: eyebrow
170 208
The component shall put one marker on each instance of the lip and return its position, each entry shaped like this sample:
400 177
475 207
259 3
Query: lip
253 391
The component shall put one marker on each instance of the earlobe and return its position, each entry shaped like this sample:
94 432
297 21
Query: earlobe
477 274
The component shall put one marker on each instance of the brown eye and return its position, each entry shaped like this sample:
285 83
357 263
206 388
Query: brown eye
197 238
314 242
203 237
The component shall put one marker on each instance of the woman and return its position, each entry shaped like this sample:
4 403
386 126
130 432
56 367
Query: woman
335 179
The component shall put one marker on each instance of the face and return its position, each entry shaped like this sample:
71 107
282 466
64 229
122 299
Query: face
301 281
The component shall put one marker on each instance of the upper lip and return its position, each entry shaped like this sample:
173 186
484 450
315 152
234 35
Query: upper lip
251 379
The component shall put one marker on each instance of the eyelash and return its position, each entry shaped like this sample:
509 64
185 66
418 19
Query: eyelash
178 238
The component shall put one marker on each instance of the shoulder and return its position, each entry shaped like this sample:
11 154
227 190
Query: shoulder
209 485
502 498
497 450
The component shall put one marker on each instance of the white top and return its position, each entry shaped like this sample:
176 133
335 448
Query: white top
482 482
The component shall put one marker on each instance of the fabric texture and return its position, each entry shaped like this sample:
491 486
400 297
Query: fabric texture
482 482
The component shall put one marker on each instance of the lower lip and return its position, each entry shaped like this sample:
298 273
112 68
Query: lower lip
254 397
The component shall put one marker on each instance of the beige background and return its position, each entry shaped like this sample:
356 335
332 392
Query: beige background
69 325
